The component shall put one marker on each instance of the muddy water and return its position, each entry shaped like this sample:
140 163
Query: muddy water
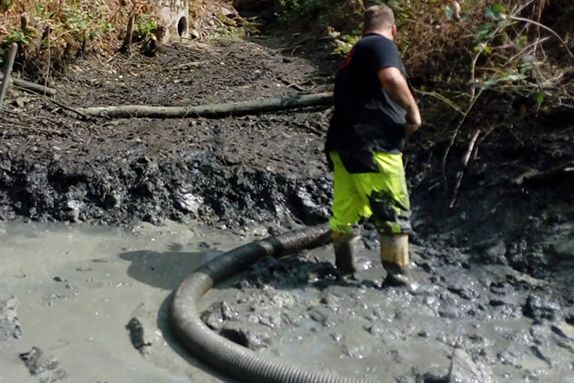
76 290
512 327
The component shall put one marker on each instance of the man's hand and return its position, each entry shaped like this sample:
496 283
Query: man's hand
398 89
414 124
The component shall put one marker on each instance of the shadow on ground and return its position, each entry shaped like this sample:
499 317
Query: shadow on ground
165 269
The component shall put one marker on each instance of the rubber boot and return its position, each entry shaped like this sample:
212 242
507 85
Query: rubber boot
345 248
395 259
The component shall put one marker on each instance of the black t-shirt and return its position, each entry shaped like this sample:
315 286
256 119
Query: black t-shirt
366 119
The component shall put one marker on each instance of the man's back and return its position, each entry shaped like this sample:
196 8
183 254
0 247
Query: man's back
366 119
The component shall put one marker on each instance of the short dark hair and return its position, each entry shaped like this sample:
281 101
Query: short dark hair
377 17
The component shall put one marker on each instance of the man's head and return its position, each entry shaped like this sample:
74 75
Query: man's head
379 19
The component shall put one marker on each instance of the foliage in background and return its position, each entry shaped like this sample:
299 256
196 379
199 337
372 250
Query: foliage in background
481 46
145 26
456 50
52 32
341 16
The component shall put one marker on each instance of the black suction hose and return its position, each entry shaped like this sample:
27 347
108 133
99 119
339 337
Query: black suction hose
229 357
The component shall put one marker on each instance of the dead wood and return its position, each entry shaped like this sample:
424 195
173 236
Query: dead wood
462 171
31 86
8 63
558 174
210 110
125 48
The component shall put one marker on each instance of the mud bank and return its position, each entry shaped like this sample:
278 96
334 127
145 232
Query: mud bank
235 170
187 186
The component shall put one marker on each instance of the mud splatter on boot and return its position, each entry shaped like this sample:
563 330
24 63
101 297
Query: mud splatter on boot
344 246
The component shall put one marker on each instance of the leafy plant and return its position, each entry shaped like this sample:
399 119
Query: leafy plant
339 19
57 28
15 36
145 27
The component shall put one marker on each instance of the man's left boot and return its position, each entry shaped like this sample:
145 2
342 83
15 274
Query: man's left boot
395 259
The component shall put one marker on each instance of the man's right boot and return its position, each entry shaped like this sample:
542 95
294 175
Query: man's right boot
344 245
395 259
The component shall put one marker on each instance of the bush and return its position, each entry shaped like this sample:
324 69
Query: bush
340 15
145 27
490 45
54 31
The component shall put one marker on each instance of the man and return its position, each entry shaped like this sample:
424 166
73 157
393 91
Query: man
375 112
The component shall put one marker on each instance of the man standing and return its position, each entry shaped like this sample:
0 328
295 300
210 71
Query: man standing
375 112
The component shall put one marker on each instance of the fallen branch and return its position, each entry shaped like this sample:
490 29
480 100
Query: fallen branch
516 18
68 108
556 174
210 110
465 161
31 86
454 136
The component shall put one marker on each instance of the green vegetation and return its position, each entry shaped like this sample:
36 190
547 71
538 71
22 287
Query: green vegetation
57 23
145 26
17 37
456 51
50 32
342 16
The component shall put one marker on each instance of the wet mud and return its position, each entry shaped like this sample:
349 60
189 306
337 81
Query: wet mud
495 302
89 304
506 325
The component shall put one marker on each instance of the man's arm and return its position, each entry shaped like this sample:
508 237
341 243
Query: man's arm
396 86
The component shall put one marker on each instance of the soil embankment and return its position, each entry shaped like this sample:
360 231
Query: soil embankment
237 170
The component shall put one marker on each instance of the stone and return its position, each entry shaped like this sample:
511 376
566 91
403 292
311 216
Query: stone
9 324
464 370
496 253
218 314
250 335
463 285
187 201
137 335
542 307
45 367
228 12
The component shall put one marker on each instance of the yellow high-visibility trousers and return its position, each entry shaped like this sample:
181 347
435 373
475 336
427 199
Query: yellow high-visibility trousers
380 197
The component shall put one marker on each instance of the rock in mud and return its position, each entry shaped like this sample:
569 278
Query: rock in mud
542 307
45 367
250 335
309 210
464 370
431 378
137 336
495 254
321 315
217 314
463 285
9 324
